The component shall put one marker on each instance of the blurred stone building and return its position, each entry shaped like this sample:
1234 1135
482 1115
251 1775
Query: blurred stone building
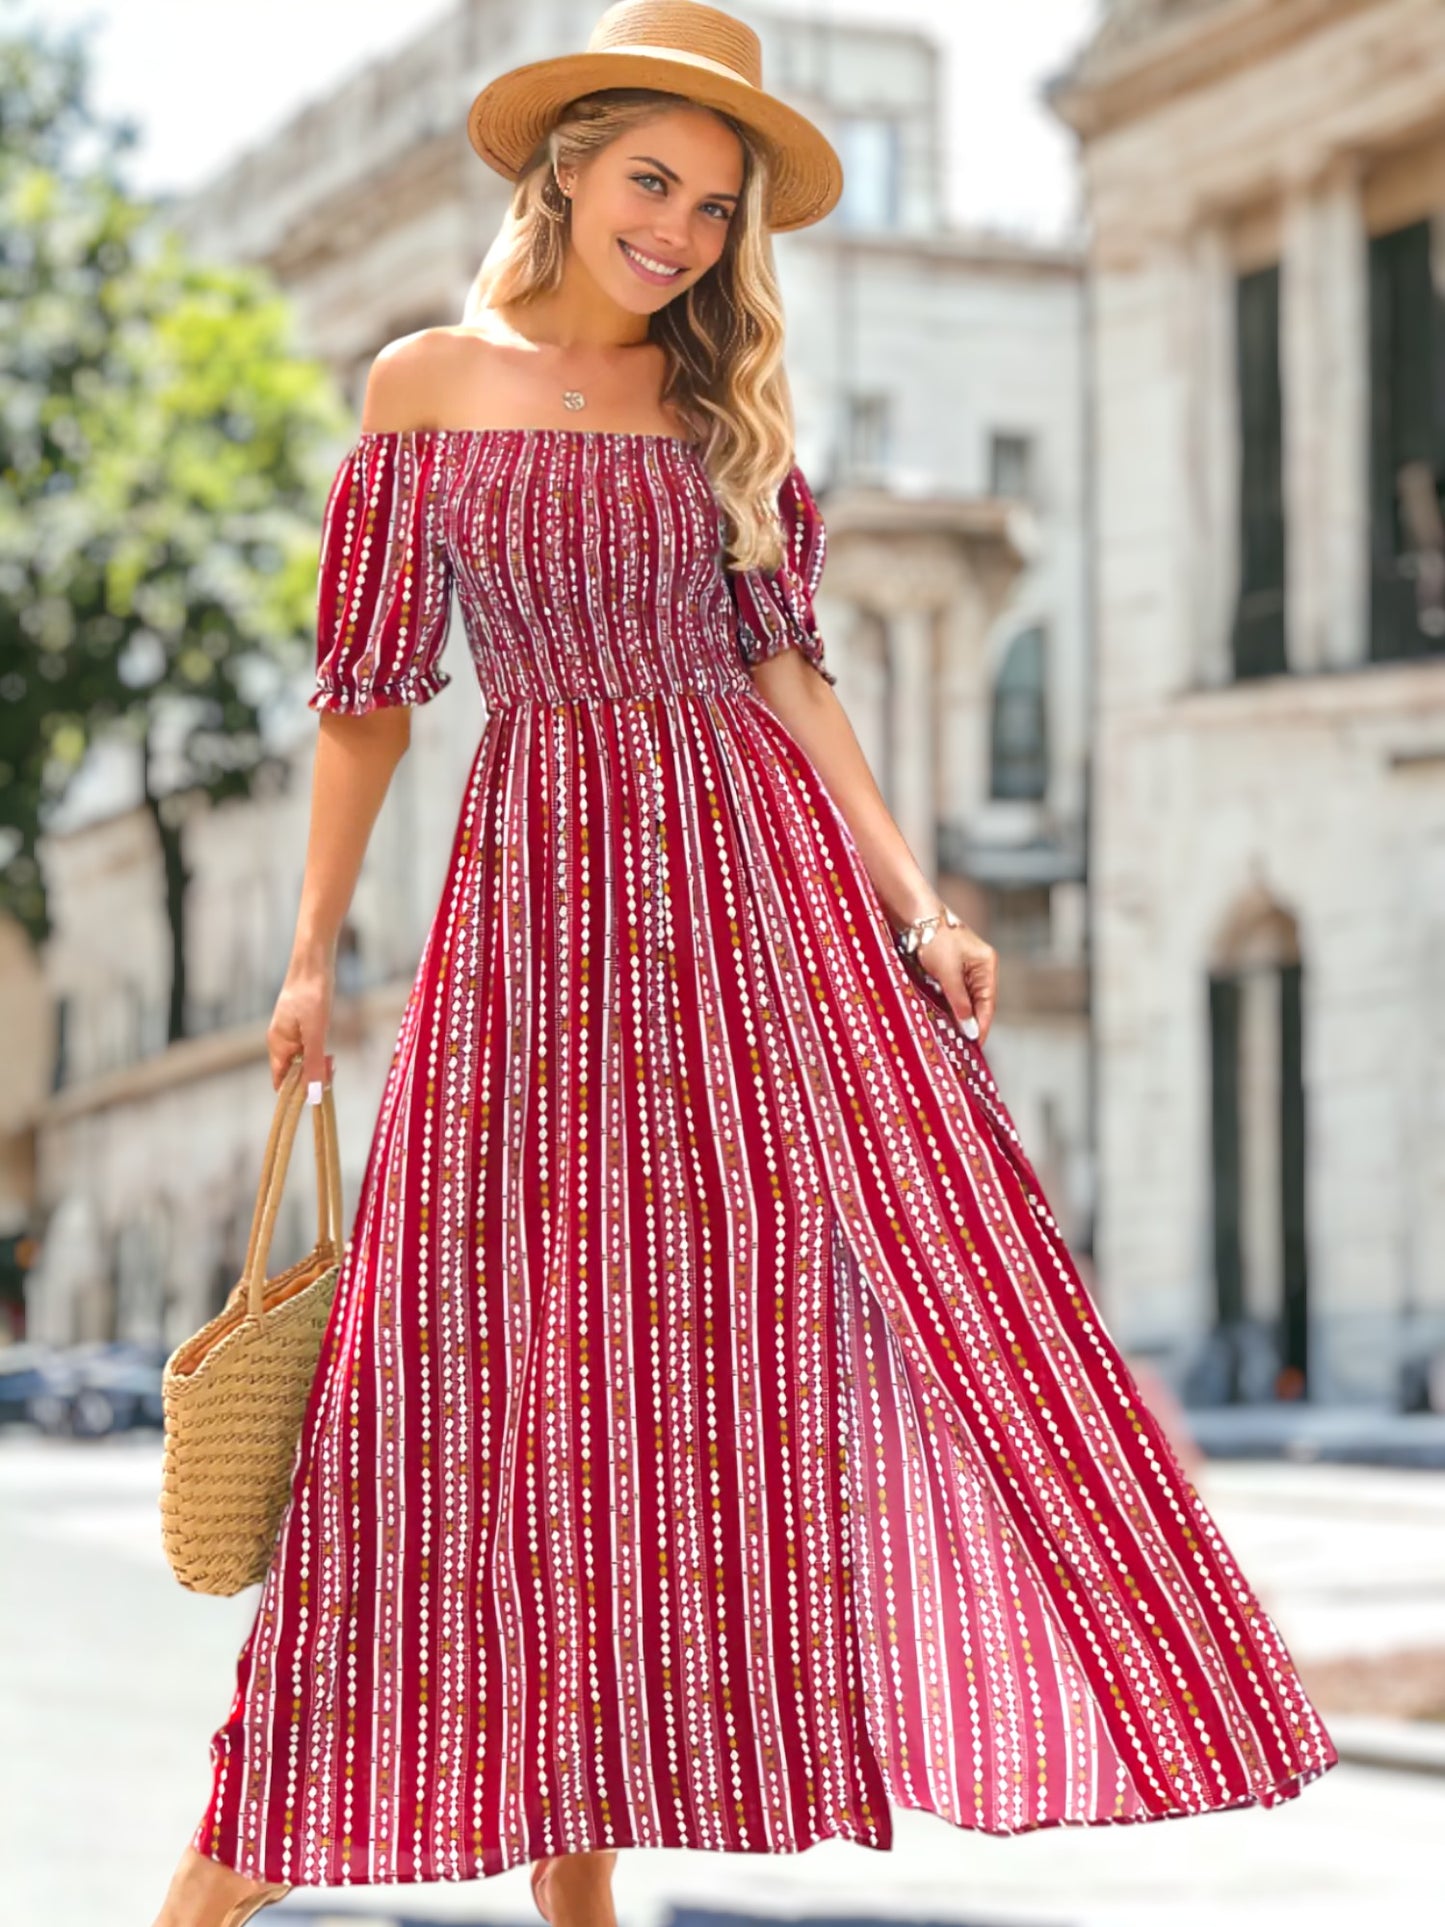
936 375
1266 183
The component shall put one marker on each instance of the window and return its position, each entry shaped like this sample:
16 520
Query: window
1018 748
869 149
1407 442
1257 1141
1259 633
866 435
1010 466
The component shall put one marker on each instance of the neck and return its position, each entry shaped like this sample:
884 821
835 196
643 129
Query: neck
578 315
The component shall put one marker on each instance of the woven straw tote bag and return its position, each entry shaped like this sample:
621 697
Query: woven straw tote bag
235 1394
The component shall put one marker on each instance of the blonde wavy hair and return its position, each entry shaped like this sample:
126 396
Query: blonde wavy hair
722 339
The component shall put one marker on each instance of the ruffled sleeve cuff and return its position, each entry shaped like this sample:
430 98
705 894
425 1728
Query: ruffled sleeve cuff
775 612
384 587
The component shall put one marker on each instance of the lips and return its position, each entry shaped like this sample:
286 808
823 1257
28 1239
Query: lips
640 267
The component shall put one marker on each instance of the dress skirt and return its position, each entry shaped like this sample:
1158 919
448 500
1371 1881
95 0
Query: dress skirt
714 1443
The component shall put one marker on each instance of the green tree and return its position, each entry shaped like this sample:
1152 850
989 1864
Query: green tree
161 450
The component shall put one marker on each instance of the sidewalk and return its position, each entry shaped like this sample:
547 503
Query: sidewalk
1342 1434
1350 1559
1402 1746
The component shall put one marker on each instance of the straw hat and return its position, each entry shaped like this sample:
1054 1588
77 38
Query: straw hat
683 48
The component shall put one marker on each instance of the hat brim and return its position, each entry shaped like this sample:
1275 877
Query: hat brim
513 112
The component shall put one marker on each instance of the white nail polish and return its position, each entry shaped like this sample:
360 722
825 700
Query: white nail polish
313 1093
970 1027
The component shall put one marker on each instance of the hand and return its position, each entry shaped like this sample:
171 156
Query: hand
966 971
299 1024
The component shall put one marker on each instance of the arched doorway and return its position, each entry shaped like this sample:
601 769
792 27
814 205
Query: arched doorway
1257 1157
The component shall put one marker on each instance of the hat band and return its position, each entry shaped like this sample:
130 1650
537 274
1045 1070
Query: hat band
718 67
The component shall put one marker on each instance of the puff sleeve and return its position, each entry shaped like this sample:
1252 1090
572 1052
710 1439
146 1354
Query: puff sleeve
384 589
775 611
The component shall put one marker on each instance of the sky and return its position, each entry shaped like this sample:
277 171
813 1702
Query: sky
203 81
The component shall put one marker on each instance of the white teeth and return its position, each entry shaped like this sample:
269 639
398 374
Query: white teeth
658 267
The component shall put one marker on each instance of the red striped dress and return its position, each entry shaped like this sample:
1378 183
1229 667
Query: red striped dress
713 1443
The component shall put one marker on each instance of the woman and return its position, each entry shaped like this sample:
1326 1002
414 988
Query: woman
713 1440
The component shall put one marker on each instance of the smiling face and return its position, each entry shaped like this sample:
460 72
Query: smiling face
651 210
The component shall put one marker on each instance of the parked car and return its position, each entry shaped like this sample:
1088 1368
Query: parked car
94 1390
28 1371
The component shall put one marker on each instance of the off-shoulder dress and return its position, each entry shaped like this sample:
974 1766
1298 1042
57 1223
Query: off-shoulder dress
714 1443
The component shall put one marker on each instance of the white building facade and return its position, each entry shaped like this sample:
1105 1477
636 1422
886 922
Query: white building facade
1266 184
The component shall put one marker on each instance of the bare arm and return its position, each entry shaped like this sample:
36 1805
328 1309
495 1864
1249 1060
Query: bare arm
356 756
965 966
355 759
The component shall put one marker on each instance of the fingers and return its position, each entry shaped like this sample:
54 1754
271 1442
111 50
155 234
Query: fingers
285 1043
282 1059
968 982
952 981
955 989
985 993
298 1029
282 1048
316 1070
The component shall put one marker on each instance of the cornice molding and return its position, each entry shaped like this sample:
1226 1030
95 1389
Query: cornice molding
1193 45
977 249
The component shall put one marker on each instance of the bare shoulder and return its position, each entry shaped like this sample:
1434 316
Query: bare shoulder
410 381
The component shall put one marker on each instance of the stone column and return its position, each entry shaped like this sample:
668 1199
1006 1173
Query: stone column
913 756
1260 1148
837 618
1301 358
1214 455
1345 407
863 685
1324 369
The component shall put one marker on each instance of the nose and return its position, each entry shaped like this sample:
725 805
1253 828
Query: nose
671 237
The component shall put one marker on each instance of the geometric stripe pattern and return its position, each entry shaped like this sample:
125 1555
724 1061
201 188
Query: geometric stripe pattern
713 1443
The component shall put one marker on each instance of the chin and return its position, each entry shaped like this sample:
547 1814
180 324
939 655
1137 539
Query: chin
636 302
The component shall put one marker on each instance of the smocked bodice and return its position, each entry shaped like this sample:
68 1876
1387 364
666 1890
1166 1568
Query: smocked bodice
587 565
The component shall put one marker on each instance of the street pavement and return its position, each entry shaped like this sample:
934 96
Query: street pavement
1351 1557
112 1678
1301 1431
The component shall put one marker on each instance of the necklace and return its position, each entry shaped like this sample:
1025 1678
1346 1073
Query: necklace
573 397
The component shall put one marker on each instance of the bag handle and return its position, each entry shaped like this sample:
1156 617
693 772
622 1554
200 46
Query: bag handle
284 1121
268 1159
328 1170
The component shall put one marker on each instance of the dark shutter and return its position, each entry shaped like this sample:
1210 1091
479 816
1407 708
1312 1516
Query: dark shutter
1259 642
1224 1143
1407 424
1294 1335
